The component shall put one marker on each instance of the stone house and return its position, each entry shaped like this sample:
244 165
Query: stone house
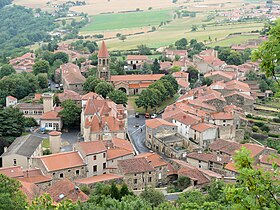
103 178
159 164
208 63
69 165
71 77
31 110
136 61
51 121
22 150
221 76
240 100
23 63
267 161
224 147
203 133
171 54
94 154
137 173
11 101
116 154
207 161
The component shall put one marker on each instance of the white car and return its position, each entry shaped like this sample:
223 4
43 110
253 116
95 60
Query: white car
153 116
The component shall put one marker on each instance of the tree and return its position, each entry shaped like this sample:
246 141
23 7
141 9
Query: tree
156 67
122 37
104 88
175 69
70 114
263 86
41 66
194 196
91 83
11 122
251 75
63 22
124 191
153 196
268 53
148 97
206 81
169 87
118 96
158 85
114 191
42 80
30 122
172 80
11 197
48 56
181 44
6 70
61 56
183 182
254 188
144 50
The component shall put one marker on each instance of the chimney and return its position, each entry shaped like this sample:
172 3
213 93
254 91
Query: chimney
5 149
184 117
55 141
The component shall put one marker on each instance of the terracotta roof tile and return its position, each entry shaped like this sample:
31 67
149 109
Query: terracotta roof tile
154 159
116 153
157 122
122 144
30 190
62 161
187 119
140 77
227 75
206 157
103 52
34 176
12 172
11 98
135 165
227 147
92 147
69 94
137 57
254 148
222 116
193 174
64 189
200 127
91 95
99 178
51 115
72 74
270 159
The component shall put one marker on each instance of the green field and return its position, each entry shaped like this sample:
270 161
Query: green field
107 22
181 28
233 40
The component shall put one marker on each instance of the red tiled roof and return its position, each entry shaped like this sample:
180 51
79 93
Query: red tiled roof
140 77
12 172
122 144
137 57
92 147
135 165
99 178
64 189
180 74
227 75
34 176
51 115
154 123
69 94
187 119
30 190
254 148
72 74
200 127
231 167
154 159
54 133
91 95
11 98
103 52
116 153
37 96
206 157
270 159
222 116
183 82
62 161
227 147
194 174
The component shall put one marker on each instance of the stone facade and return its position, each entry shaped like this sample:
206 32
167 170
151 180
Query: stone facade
140 181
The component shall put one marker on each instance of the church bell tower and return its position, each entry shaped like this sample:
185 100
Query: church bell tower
103 69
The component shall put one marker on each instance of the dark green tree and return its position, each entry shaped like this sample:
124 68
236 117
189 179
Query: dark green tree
153 196
41 66
156 67
114 191
61 56
11 197
181 44
70 114
118 96
104 88
6 70
91 83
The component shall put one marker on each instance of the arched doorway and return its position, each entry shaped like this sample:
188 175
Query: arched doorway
122 89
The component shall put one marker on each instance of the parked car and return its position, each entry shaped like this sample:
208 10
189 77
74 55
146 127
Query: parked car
147 115
154 116
137 115
56 85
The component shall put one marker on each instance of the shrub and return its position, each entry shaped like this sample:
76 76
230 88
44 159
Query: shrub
265 128
273 135
249 116
259 124
255 128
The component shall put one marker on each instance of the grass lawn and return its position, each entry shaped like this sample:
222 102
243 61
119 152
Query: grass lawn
233 40
162 106
46 143
107 22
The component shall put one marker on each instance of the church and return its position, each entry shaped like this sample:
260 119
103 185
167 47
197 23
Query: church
130 84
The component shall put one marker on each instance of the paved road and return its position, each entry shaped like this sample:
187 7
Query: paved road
137 134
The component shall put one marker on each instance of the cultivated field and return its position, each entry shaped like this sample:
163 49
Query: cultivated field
129 20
